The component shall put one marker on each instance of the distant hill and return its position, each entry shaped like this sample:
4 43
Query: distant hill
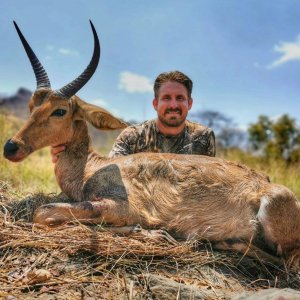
17 106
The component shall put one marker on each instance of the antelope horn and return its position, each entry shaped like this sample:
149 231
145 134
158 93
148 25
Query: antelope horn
73 87
41 76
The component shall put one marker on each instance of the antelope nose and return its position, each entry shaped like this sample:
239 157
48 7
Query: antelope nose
10 148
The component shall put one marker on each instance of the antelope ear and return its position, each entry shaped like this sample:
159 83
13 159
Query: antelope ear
97 116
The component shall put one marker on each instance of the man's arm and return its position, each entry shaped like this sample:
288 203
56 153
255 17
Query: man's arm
125 143
203 141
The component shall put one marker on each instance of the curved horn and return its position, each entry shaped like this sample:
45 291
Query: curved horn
73 87
41 76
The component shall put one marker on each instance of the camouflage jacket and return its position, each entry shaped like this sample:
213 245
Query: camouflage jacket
145 137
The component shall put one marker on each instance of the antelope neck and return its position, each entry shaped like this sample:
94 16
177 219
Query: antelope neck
71 168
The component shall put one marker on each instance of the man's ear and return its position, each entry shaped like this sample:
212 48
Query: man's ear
97 116
190 103
155 103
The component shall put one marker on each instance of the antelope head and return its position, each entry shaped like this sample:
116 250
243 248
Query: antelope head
53 113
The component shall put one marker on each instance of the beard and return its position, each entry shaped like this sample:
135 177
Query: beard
174 120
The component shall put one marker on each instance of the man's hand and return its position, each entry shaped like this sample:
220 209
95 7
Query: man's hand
55 151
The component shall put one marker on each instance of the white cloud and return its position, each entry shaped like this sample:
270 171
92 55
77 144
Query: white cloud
105 104
100 102
69 52
289 51
134 83
63 51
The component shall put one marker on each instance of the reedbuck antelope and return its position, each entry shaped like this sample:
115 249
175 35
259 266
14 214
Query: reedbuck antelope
191 196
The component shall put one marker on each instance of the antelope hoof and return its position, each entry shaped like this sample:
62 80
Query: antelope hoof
159 235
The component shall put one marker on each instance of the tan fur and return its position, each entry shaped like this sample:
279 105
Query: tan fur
191 196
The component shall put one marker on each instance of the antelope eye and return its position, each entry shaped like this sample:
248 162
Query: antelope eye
58 113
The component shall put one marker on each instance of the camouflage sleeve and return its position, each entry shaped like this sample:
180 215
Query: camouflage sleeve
125 143
204 142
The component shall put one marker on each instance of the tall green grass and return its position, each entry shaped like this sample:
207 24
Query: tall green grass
35 173
278 170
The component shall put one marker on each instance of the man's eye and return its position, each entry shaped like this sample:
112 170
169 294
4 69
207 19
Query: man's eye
58 113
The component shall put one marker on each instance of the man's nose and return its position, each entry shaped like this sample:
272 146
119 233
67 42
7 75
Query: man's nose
173 103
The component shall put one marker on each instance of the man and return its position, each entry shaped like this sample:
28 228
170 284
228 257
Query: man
170 132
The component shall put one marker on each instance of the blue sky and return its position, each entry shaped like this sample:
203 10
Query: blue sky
243 56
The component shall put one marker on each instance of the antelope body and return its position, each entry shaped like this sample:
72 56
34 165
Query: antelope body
190 195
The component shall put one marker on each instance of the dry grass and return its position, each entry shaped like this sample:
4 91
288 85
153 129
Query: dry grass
83 262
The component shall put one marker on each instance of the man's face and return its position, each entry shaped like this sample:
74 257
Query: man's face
172 104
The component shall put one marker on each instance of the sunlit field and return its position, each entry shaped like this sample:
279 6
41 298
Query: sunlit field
277 170
36 174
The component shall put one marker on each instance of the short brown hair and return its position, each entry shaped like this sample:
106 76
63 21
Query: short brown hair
173 76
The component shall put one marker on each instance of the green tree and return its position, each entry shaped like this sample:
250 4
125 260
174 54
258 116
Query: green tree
276 139
228 135
285 134
260 133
